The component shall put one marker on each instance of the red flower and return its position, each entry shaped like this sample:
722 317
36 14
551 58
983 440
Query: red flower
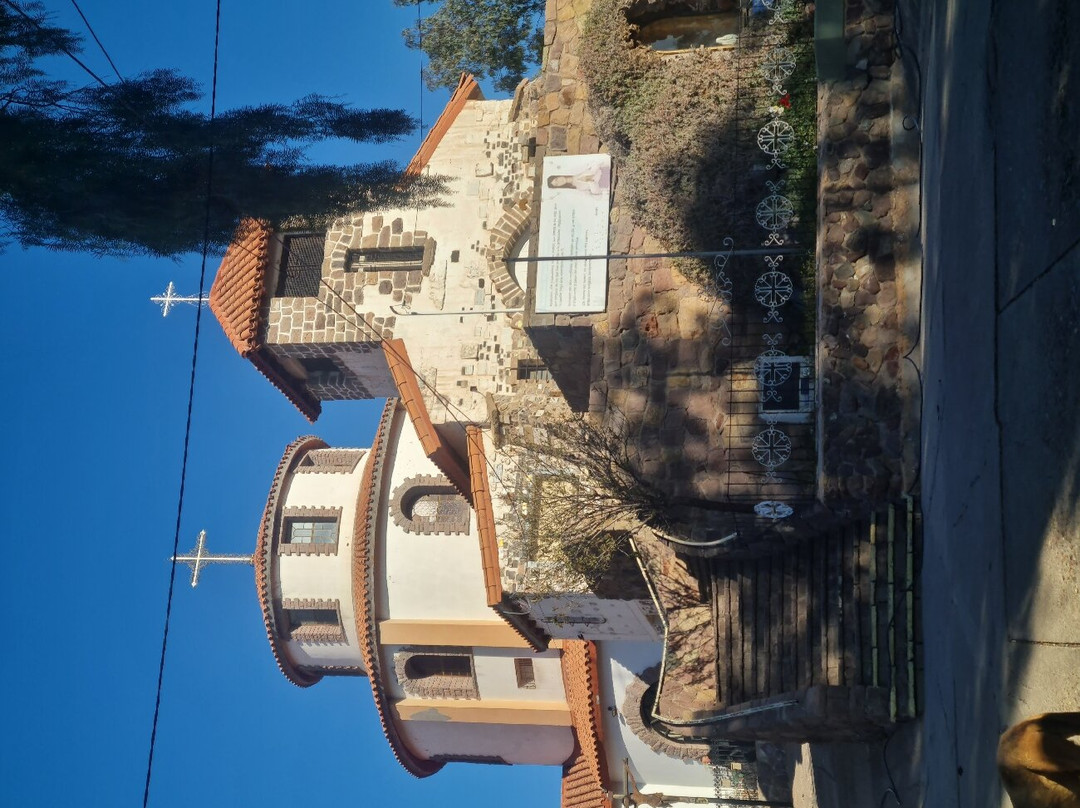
785 101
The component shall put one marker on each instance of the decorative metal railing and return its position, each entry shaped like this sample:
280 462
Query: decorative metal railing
766 298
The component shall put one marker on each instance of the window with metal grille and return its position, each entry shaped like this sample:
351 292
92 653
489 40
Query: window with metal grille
534 371
526 676
373 259
312 531
300 271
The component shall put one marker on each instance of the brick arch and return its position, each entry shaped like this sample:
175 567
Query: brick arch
632 708
512 225
418 672
451 517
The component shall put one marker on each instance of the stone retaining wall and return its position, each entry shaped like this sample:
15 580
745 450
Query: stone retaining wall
655 360
868 270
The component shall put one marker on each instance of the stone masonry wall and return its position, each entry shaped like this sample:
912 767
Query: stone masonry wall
655 358
656 362
868 268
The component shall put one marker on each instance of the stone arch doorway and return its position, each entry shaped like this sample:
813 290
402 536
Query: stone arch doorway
508 238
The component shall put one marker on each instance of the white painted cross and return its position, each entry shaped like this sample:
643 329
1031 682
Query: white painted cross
170 298
198 558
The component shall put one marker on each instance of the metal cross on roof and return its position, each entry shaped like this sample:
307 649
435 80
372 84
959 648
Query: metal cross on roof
198 558
170 298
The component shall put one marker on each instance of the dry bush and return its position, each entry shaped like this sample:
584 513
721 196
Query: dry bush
585 497
679 128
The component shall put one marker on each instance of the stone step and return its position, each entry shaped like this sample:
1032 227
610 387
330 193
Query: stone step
835 610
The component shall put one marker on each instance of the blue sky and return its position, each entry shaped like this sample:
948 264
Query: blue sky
96 386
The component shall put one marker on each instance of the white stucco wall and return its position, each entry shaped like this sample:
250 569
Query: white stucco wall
438 577
619 662
324 577
496 679
514 743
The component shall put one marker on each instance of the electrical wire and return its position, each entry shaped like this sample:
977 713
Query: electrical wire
187 421
90 28
194 355
514 509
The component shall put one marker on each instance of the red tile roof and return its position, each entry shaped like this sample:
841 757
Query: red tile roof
485 515
238 299
467 90
364 589
263 560
525 626
583 780
397 358
239 289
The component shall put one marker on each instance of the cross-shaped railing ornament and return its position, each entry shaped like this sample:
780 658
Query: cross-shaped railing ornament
170 298
198 558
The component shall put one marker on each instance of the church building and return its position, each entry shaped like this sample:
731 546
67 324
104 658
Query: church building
373 562
392 562
310 309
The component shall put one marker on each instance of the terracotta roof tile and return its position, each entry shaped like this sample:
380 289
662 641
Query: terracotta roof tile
238 299
363 572
583 781
268 527
527 628
239 289
397 358
485 515
467 90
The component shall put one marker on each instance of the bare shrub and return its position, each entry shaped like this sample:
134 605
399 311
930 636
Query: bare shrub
586 497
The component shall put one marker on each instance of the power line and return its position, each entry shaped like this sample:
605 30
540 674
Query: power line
90 28
187 421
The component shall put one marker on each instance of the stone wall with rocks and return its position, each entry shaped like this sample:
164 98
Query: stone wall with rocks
656 358
655 361
868 270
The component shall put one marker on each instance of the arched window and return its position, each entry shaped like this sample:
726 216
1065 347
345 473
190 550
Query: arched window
429 505
436 672
421 666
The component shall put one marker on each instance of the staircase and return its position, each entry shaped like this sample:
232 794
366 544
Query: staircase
833 617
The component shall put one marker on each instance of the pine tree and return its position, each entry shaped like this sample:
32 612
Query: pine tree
496 39
123 169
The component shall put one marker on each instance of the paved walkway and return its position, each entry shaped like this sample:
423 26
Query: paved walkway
1000 333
